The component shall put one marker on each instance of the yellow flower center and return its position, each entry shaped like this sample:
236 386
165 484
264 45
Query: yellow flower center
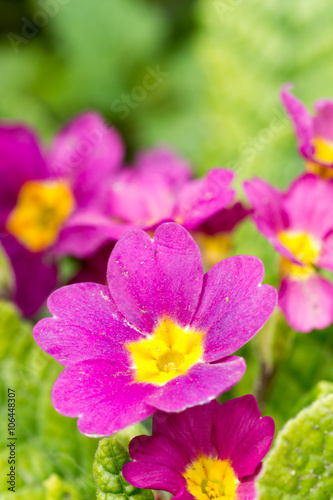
211 478
169 352
41 209
305 248
323 154
214 248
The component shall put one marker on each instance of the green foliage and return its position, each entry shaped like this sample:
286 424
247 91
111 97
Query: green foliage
110 457
300 466
47 443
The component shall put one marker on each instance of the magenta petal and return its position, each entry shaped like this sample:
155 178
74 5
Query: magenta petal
323 121
326 256
191 429
151 279
87 232
268 212
233 305
154 475
305 215
87 152
86 325
165 163
225 220
148 449
307 304
299 115
201 384
201 198
245 439
246 490
102 395
35 277
20 161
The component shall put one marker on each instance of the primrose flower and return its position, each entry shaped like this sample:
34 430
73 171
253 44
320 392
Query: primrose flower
159 336
158 188
314 134
214 236
299 224
50 204
208 452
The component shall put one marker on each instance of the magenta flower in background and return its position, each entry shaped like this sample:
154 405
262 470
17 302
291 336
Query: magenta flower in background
52 205
160 336
314 134
299 224
207 452
159 188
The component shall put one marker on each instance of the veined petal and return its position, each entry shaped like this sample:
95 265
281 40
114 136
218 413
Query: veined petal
154 279
233 305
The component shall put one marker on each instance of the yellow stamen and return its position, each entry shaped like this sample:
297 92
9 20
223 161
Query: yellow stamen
323 154
41 209
211 478
305 248
169 352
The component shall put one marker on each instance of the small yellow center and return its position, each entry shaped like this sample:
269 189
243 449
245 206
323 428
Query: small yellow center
169 352
305 248
214 248
210 478
41 209
323 154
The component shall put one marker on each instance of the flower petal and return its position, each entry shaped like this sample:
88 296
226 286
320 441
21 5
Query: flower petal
101 393
154 475
86 325
201 384
299 115
242 436
305 215
151 279
87 152
20 161
160 449
233 305
164 162
199 199
191 429
308 303
30 268
323 121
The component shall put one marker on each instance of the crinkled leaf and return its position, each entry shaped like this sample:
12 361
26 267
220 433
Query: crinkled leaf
110 457
300 466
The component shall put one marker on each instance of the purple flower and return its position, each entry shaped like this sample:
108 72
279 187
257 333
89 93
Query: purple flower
158 188
314 134
299 224
51 204
159 336
207 452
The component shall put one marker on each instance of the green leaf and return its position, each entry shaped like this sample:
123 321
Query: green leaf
110 457
300 466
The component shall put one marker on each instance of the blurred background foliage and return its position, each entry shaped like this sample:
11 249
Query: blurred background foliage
218 66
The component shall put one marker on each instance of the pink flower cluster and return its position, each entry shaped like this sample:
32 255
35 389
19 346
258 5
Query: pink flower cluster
142 330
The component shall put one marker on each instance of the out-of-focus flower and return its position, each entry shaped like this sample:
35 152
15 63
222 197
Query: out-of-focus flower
299 224
314 134
51 204
159 336
204 453
158 188
214 236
